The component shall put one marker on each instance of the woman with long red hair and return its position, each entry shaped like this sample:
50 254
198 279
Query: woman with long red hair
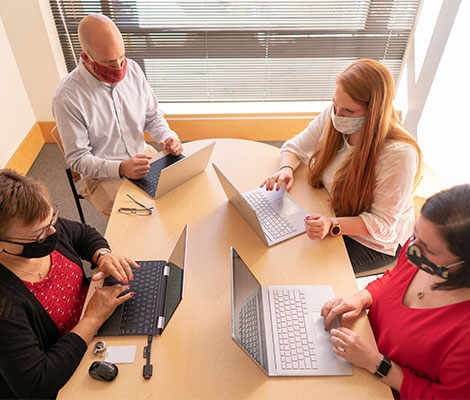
361 153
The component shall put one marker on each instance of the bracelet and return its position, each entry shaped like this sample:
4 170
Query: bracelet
287 166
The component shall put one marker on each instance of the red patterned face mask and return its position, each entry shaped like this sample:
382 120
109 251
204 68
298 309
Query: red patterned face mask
107 74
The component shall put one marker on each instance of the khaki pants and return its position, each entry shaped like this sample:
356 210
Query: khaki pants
101 192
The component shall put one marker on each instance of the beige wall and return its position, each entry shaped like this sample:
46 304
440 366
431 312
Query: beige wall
31 68
16 114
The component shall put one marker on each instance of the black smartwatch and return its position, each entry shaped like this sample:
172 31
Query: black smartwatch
383 367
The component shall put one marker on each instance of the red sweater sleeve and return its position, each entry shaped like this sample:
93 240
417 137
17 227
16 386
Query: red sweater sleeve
454 380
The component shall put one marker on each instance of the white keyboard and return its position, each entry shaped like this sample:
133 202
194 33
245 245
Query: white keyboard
297 350
276 225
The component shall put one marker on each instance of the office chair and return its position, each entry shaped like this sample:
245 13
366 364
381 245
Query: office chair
72 176
426 185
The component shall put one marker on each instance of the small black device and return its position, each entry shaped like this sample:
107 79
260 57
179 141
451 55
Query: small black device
382 368
103 371
148 368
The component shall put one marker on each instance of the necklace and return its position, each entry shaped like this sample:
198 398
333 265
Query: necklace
30 273
39 273
421 293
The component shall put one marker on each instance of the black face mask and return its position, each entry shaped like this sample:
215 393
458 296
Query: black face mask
415 257
35 249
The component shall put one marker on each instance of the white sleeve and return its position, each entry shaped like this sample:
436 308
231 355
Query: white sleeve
396 170
76 142
302 144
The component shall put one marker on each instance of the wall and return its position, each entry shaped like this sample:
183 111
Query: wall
29 76
32 36
435 85
16 114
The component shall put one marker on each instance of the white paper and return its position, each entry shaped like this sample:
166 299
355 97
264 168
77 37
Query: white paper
120 354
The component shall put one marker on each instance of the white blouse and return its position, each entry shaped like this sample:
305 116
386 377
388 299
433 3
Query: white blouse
390 218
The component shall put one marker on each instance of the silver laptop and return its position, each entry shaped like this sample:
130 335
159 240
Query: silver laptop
169 172
273 215
280 327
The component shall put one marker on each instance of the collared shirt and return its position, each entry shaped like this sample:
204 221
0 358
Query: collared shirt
390 218
102 124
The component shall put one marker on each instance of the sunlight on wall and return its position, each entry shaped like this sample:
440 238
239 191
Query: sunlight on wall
442 130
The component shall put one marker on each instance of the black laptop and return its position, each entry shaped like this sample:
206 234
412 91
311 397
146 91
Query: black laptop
158 287
169 172
149 183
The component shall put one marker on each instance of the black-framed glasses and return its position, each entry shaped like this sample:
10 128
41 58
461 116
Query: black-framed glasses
43 233
136 211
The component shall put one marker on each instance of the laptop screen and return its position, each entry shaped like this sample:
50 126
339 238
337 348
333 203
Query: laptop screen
244 282
174 286
247 315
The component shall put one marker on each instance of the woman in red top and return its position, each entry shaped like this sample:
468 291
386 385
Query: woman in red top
419 311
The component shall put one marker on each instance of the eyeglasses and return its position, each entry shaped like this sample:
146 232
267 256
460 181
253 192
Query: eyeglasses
43 233
136 211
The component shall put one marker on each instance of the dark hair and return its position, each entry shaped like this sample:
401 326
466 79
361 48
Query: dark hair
21 198
449 210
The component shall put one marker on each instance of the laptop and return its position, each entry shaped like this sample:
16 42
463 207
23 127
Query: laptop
280 327
169 172
158 287
273 215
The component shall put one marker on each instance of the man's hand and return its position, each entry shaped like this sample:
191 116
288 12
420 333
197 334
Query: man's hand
136 167
172 145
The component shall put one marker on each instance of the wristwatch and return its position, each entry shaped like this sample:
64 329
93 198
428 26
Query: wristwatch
335 229
102 253
383 367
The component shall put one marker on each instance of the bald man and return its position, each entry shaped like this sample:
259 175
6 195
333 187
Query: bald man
102 109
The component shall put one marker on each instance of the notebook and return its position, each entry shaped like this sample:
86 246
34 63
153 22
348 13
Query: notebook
158 287
169 172
280 327
273 215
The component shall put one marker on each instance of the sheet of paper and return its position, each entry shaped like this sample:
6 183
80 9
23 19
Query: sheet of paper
120 354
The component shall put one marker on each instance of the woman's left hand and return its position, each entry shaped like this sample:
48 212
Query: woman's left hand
117 266
317 226
350 346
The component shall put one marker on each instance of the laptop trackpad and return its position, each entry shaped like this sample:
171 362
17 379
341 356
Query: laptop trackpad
333 364
322 334
285 206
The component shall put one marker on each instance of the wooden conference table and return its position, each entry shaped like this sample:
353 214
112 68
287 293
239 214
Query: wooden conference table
196 357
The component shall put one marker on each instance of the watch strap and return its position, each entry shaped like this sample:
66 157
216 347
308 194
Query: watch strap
102 253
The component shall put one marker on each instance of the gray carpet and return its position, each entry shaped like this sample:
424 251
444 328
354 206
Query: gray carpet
49 167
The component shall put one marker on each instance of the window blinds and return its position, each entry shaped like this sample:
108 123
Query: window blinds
246 50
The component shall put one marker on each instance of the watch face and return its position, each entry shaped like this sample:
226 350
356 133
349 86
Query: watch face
335 230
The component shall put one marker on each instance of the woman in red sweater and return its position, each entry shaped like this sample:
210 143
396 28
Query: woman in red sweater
419 311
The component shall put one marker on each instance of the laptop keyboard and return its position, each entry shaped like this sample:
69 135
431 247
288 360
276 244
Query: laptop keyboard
275 225
139 313
297 350
150 182
249 333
